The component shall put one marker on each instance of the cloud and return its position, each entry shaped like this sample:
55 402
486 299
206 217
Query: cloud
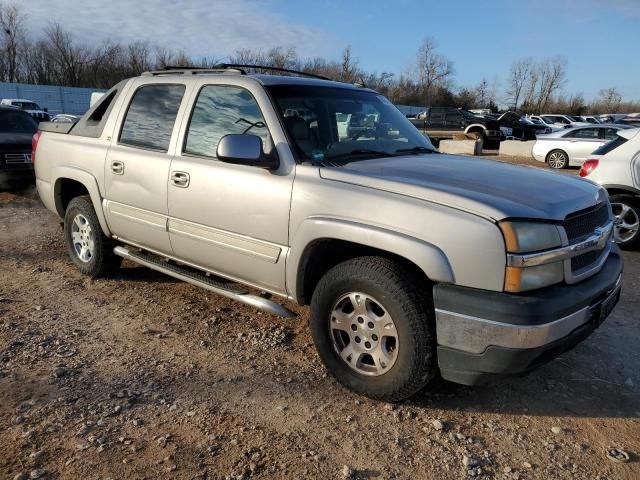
199 27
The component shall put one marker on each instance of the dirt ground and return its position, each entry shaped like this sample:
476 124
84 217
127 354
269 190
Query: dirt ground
141 376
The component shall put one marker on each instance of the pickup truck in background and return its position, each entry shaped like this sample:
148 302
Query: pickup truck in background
441 123
29 106
413 263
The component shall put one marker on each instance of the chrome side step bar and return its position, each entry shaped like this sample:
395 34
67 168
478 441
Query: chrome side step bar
202 281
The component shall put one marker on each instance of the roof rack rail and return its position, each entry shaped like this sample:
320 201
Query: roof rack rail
188 70
273 69
227 68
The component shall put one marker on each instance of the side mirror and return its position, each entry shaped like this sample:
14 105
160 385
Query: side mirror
245 149
46 109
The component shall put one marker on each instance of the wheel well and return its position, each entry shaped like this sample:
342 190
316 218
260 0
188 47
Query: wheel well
66 190
324 254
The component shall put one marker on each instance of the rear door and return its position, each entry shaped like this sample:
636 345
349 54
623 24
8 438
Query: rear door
137 166
582 142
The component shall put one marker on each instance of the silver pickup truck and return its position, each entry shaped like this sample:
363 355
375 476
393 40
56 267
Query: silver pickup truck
413 263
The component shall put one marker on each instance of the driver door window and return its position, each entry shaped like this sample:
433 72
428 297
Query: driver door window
222 110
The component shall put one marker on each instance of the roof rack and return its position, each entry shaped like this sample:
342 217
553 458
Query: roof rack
222 68
273 69
186 70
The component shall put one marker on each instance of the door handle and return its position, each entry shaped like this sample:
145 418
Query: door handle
117 167
180 179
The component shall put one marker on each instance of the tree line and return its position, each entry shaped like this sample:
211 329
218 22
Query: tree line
55 57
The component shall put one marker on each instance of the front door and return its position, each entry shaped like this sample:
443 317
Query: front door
137 167
229 219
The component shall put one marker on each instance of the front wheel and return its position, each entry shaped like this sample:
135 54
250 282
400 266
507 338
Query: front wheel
372 323
626 210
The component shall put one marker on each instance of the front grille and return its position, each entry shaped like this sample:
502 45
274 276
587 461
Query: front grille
585 260
13 158
583 223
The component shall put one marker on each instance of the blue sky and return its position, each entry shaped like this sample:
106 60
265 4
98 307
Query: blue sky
598 37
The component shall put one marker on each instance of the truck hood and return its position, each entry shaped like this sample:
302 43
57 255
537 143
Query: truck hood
487 188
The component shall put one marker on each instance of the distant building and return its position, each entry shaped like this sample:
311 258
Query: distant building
55 99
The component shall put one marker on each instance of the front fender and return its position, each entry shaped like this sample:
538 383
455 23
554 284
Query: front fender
89 182
429 258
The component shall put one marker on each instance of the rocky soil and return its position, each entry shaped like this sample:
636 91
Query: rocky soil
141 376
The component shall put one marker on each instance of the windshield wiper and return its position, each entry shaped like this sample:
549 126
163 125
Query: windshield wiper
416 149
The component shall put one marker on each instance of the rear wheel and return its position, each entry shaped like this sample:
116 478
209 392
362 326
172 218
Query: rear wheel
372 323
626 210
558 159
90 249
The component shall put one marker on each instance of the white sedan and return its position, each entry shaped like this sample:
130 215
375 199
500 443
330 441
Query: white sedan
572 146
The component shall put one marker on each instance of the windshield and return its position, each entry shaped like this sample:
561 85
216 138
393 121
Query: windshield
27 105
16 122
328 124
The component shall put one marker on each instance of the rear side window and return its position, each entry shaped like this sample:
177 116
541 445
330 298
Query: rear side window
608 147
222 110
611 133
587 133
151 116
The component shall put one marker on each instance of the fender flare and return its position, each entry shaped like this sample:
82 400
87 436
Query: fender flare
89 182
474 125
429 258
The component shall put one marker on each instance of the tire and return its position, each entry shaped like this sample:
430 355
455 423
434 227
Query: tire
407 363
626 210
557 159
90 249
478 136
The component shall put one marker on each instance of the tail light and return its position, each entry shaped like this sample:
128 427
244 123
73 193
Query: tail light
34 145
588 167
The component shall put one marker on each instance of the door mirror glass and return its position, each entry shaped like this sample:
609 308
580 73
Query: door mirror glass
245 149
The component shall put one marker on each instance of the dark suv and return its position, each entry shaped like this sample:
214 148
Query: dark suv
447 122
16 131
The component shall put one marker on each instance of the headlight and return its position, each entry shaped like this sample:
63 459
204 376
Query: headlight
523 237
527 237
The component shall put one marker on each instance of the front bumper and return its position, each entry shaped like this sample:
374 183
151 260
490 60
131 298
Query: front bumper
483 334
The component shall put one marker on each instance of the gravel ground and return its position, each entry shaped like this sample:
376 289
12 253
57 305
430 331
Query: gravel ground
140 376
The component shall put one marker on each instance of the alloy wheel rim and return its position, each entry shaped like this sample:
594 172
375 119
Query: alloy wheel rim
363 334
556 160
82 238
627 222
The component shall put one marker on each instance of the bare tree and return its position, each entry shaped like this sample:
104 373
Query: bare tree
552 74
433 69
609 99
349 71
13 38
518 80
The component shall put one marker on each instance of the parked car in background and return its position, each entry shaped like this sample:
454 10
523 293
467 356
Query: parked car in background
513 125
589 119
16 131
572 147
616 166
561 120
65 118
538 121
32 108
441 123
612 117
632 120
